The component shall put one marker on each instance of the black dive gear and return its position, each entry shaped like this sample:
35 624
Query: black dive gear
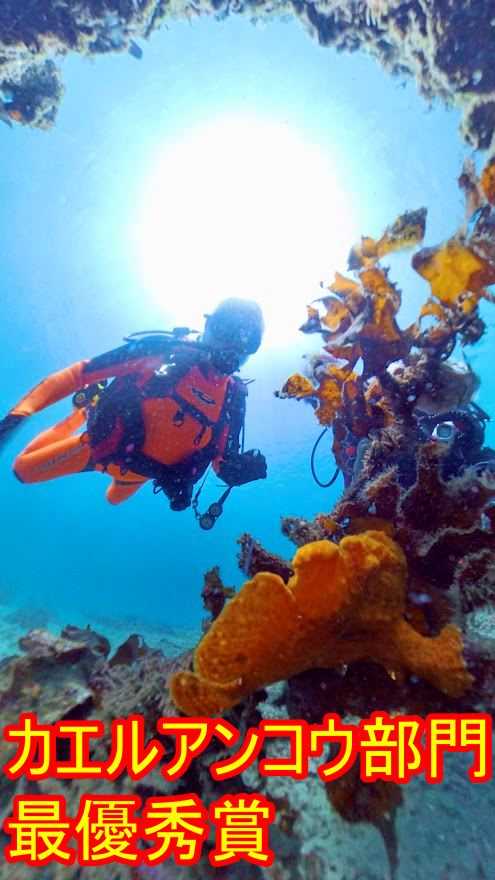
177 481
167 343
122 400
226 360
243 467
237 469
174 336
208 519
89 395
464 426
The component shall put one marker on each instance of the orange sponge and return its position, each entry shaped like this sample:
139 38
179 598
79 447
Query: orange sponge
344 603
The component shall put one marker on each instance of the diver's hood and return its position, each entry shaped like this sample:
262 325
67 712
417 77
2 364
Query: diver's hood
235 325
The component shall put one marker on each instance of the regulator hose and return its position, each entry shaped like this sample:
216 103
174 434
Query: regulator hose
313 469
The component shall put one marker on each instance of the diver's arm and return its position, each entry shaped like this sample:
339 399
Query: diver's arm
233 466
130 358
229 442
50 390
119 362
55 387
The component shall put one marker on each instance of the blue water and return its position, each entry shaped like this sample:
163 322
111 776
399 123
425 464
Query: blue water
71 289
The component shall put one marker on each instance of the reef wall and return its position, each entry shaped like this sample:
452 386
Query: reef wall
446 45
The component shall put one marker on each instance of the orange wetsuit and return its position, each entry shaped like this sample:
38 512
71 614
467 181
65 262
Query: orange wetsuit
183 407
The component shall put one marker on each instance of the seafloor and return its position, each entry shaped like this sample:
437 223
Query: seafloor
439 832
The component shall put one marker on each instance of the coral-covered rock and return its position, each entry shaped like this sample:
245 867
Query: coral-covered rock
129 651
446 46
302 531
52 678
253 558
96 642
60 679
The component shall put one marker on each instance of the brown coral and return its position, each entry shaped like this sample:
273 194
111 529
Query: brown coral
344 603
360 319
335 384
359 322
214 594
487 181
407 231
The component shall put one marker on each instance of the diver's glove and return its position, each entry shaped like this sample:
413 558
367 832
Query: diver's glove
7 427
244 467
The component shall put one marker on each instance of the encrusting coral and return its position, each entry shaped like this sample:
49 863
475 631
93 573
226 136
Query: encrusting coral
344 603
214 594
446 45
253 558
440 524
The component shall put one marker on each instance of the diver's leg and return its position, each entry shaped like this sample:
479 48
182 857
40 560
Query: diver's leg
59 431
120 489
55 452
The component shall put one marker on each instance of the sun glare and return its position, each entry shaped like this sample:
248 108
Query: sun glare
242 207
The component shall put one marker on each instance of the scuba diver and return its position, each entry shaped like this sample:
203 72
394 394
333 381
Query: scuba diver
172 408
